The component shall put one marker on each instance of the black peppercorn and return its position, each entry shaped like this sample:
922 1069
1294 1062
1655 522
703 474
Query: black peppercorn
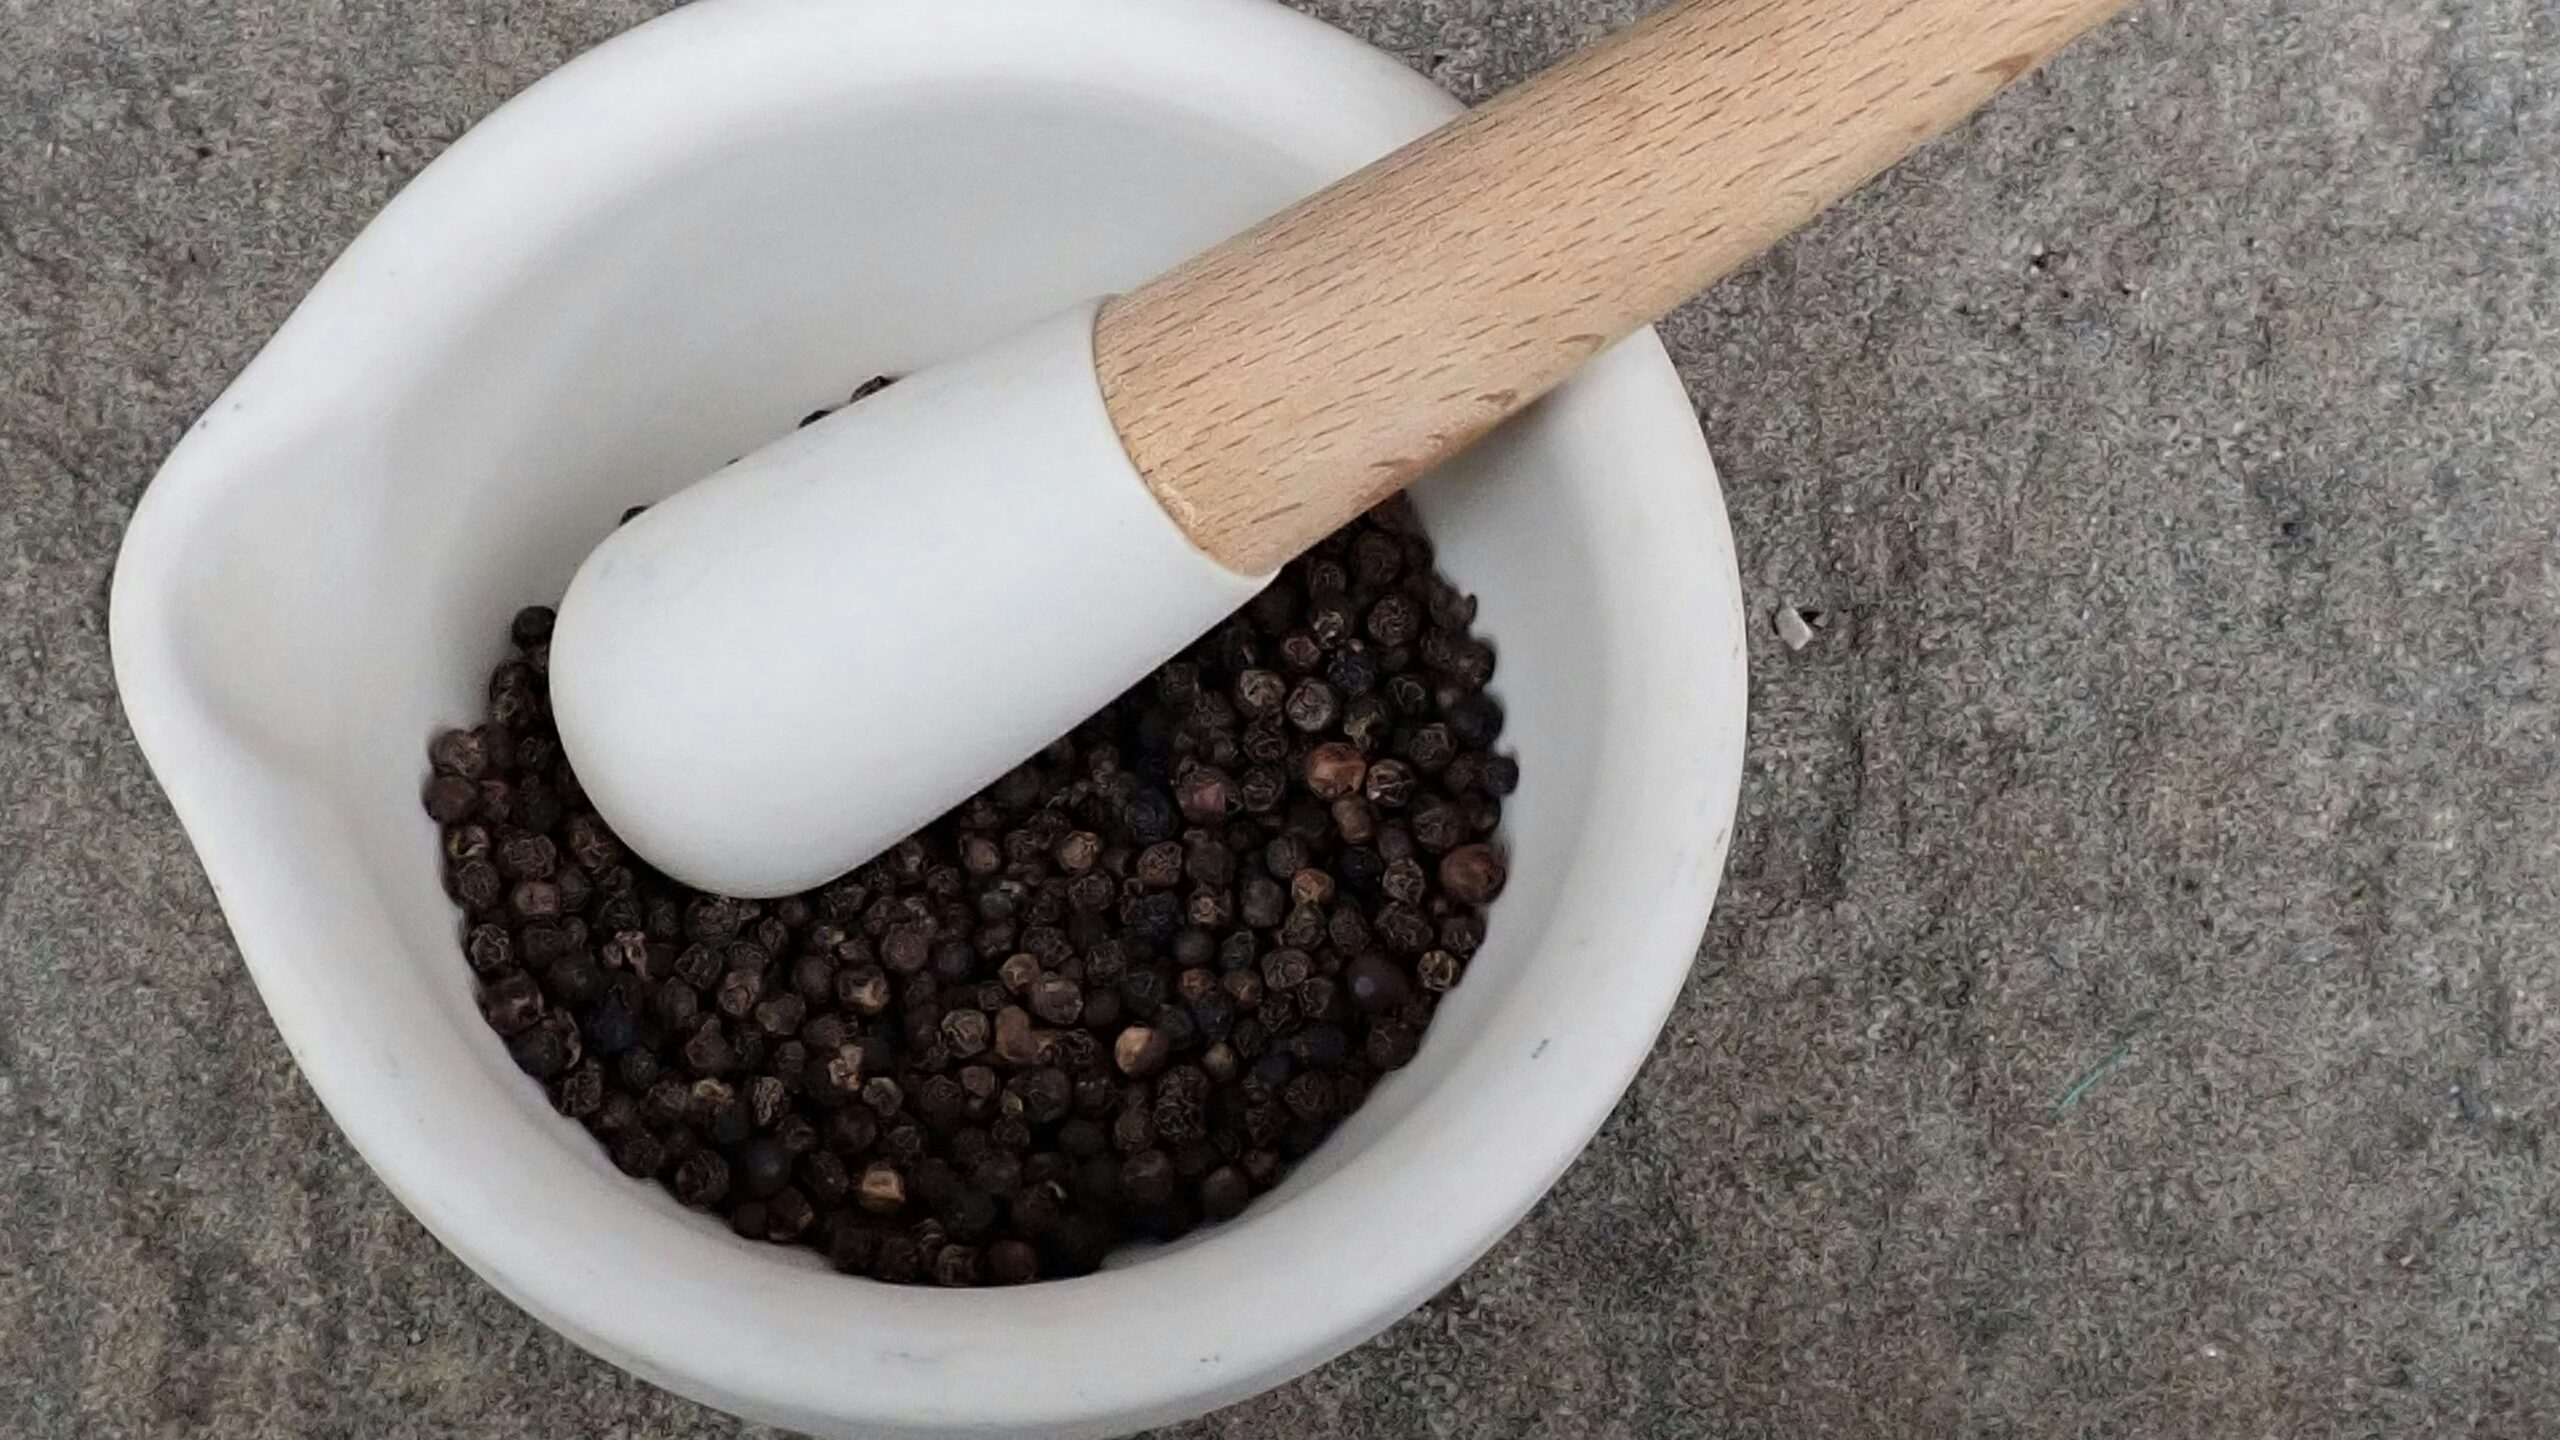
540 1052
477 884
788 1216
450 799
1312 705
491 949
702 1179
1225 1192
1391 1044
511 1002
1439 826
1058 973
1376 983
638 1154
1012 1262
1057 1000
575 981
1147 1178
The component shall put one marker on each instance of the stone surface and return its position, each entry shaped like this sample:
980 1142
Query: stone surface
2132 1009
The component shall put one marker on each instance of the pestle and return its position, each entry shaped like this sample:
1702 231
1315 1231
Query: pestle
779 671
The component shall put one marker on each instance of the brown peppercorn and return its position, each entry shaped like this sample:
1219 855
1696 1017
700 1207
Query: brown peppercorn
864 990
881 1190
1019 972
1077 851
1354 820
1205 795
842 1071
1437 970
738 993
1220 1063
1311 890
1141 1050
1334 770
766 1098
1473 874
1016 1042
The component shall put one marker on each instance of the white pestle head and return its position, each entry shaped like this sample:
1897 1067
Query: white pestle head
779 672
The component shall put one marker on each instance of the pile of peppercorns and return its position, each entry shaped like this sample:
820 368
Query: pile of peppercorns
1112 996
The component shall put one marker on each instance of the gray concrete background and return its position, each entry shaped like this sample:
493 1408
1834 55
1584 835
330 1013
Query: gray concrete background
2131 1010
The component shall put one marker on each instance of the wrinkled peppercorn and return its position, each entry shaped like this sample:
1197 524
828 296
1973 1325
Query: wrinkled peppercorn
1113 995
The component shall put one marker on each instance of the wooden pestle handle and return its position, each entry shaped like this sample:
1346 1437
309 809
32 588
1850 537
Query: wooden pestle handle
1278 385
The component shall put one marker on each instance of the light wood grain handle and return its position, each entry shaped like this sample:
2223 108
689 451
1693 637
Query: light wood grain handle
1278 385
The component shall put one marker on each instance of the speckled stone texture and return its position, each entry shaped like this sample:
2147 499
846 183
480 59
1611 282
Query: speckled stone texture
2132 1006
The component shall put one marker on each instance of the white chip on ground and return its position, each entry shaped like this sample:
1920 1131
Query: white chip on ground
1791 627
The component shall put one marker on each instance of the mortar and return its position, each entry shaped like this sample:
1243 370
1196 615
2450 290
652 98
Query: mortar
660 258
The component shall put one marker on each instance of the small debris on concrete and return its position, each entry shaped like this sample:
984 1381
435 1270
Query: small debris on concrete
1794 631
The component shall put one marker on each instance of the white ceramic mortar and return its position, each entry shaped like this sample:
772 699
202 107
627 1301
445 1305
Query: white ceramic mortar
657 260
